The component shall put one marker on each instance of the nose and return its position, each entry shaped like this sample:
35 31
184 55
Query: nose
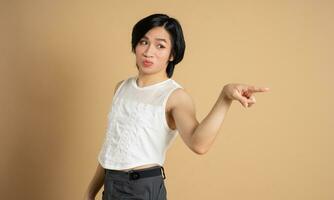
149 51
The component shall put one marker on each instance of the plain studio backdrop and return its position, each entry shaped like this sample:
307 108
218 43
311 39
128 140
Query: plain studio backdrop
60 62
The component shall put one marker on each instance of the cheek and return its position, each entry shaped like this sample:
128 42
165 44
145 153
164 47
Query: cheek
138 55
137 50
164 55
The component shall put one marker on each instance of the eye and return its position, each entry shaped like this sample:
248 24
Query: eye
161 46
142 41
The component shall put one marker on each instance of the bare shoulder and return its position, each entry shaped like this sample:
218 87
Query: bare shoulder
179 97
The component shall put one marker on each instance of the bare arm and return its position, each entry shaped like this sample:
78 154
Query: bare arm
200 136
206 132
97 182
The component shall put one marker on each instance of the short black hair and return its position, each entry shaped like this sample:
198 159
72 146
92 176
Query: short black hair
172 26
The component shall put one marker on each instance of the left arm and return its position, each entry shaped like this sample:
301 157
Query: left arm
206 132
200 136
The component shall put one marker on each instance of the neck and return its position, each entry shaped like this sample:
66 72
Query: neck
145 80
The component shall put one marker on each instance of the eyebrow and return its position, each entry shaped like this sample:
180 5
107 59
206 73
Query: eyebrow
160 39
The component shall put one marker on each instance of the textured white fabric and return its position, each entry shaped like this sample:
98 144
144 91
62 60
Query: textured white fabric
138 133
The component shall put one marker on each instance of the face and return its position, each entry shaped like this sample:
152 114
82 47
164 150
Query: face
153 52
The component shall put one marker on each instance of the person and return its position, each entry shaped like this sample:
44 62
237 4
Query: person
147 112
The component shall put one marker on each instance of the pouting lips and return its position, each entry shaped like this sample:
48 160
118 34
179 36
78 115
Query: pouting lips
147 63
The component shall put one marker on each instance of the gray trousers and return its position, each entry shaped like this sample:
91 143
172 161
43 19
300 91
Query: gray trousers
117 186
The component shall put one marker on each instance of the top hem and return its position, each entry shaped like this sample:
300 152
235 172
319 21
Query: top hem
126 167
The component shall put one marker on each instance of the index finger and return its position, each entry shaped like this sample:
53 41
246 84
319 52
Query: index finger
258 89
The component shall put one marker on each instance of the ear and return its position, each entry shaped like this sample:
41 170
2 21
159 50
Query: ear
171 58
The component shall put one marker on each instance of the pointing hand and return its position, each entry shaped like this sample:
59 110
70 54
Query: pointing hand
242 93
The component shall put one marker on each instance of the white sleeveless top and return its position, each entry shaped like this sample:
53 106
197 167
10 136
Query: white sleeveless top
138 133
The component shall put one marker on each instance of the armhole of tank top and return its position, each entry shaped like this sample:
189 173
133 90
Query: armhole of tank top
119 88
164 109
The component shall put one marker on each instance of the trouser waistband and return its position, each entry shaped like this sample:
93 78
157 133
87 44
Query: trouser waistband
139 173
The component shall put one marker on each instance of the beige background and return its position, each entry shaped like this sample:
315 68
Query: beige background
60 62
